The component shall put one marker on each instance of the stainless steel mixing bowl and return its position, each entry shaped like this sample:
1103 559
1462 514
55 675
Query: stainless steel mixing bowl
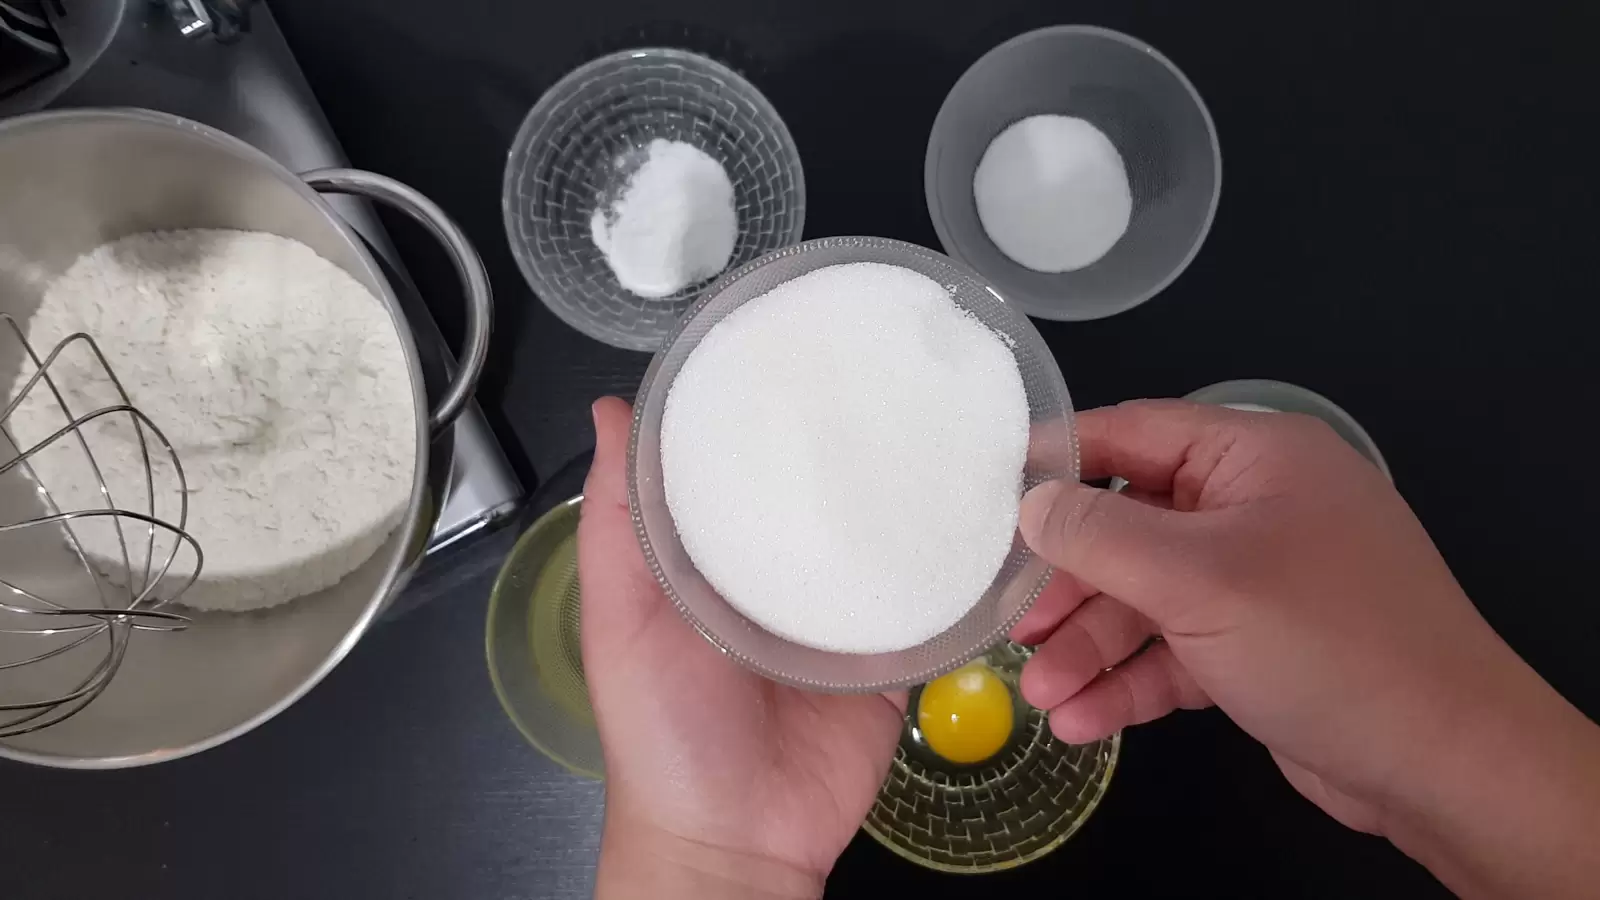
73 180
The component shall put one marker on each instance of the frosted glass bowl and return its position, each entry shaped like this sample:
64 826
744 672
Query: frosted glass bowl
1052 453
1142 103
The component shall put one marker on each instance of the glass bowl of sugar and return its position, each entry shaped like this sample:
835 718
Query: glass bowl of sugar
827 459
1075 167
638 178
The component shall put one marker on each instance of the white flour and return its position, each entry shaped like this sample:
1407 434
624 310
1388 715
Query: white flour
673 224
843 457
1052 193
281 383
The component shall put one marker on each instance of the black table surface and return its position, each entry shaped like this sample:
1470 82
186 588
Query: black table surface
1407 225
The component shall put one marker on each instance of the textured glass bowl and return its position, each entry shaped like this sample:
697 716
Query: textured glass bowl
1139 100
1052 453
1010 809
563 164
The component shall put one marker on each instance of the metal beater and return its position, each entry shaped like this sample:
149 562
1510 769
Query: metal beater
61 627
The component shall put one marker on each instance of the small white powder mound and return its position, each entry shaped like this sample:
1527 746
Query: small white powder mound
279 379
674 223
1052 193
843 458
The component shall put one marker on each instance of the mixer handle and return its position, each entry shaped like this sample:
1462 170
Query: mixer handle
469 268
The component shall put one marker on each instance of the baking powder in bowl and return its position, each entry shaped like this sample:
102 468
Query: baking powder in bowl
673 224
843 455
279 379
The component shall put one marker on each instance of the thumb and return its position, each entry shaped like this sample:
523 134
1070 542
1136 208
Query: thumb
618 589
1140 554
607 483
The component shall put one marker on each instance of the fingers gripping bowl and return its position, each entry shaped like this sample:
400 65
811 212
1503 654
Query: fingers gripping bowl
1052 452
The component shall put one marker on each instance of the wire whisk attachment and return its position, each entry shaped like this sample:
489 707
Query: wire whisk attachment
91 553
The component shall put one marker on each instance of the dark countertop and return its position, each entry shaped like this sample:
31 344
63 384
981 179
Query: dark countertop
1406 226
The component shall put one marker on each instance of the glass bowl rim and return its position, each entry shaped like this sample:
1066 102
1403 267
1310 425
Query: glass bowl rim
651 383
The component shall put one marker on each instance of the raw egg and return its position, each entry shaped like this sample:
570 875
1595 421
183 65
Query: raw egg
966 716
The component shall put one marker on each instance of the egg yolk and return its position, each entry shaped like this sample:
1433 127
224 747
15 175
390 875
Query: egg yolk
966 716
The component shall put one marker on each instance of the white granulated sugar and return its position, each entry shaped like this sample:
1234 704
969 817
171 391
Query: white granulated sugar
279 379
843 457
1052 193
674 223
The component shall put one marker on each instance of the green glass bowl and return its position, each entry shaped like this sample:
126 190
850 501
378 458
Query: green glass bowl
532 643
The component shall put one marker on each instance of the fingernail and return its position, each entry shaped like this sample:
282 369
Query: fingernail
594 416
1071 729
1036 505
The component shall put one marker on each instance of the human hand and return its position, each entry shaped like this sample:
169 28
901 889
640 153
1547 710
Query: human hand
718 781
1295 589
